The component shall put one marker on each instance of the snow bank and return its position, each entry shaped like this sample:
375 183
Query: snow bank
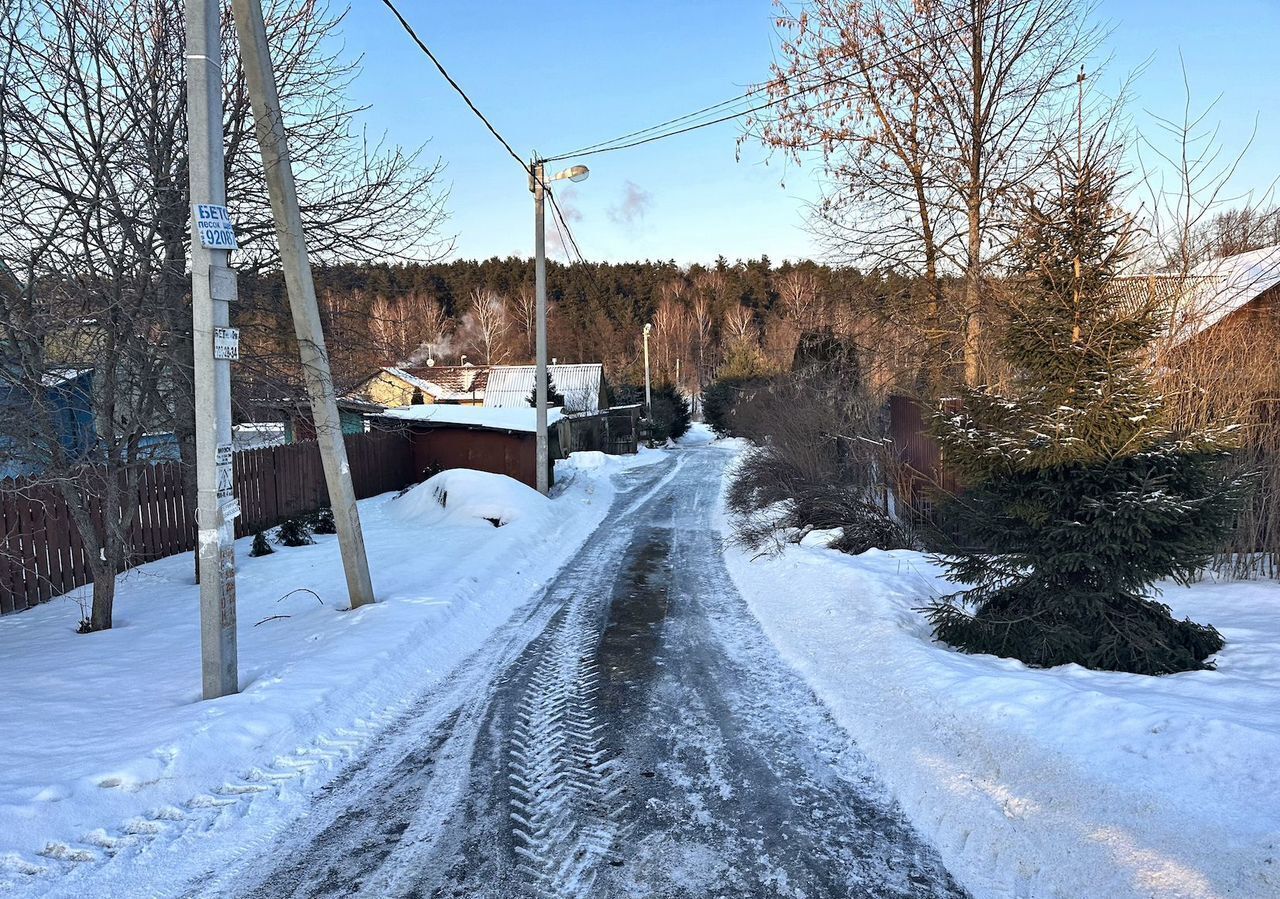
464 495
108 741
1045 783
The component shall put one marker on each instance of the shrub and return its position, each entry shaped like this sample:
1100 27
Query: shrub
670 413
294 532
819 464
321 522
720 399
261 546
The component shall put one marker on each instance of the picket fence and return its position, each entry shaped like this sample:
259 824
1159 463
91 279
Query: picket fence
42 554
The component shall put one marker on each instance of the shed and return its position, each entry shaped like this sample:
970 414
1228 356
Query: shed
502 441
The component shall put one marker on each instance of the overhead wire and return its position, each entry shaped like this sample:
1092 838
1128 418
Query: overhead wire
559 219
623 142
457 87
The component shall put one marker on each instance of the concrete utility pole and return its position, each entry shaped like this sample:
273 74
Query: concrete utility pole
648 398
269 124
538 186
213 287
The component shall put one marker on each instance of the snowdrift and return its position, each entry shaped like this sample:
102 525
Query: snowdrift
118 753
1044 783
461 494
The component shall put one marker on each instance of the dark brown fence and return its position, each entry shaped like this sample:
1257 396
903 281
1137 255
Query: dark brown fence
42 555
924 476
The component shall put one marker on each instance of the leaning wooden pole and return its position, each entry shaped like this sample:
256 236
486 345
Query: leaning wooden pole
269 123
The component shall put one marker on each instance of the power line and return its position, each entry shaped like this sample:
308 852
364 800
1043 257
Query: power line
558 218
743 96
425 49
613 144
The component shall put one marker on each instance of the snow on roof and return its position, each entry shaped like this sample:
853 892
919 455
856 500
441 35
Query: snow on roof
55 377
466 379
510 386
522 419
1218 287
454 382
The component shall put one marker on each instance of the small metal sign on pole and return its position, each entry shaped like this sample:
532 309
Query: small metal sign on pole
226 480
226 344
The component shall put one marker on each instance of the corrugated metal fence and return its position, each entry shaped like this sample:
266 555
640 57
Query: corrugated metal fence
42 555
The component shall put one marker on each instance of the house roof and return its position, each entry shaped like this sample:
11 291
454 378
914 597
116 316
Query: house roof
445 382
56 377
516 419
580 385
303 404
1218 287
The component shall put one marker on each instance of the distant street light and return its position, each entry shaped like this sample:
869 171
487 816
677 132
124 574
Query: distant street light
537 184
648 396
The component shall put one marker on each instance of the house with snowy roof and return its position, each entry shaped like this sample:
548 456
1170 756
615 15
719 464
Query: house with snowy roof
1214 293
579 388
1239 288
458 385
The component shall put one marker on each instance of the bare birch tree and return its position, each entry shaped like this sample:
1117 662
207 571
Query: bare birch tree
1187 174
485 326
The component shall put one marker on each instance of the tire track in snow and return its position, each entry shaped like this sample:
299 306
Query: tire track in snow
565 802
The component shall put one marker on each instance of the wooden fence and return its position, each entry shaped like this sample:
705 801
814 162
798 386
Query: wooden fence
43 556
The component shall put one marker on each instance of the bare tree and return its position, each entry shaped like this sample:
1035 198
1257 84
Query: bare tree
407 328
708 298
799 298
852 85
523 311
1187 175
673 330
485 326
943 109
95 211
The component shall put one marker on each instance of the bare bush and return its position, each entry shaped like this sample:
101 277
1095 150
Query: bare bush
821 462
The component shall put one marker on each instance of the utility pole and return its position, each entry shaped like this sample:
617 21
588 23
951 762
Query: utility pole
269 124
538 186
648 397
213 287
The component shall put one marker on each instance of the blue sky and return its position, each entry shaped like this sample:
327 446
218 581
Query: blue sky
553 77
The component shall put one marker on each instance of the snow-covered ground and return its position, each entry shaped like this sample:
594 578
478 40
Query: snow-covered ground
1045 783
107 742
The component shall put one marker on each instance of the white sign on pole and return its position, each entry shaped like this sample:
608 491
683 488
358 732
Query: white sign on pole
214 224
226 480
231 509
226 343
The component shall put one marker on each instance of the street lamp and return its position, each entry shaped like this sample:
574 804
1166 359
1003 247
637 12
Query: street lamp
537 184
648 397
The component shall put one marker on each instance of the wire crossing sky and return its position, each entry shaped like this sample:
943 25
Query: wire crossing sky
588 75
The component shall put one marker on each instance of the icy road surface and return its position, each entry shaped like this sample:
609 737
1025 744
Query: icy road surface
630 733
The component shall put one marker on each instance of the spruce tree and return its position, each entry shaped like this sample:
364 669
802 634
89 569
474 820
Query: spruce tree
554 398
1079 496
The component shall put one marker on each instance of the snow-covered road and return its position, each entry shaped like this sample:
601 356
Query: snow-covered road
630 732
